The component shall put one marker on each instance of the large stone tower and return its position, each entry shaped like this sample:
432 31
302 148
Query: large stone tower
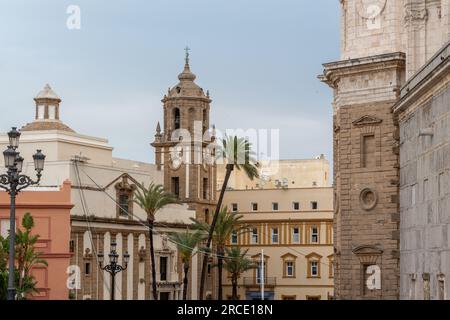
366 84
182 150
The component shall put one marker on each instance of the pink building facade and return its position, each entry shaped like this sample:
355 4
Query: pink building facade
50 208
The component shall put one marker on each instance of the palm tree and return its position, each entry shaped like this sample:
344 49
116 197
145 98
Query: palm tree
236 263
186 243
236 153
227 224
152 200
26 258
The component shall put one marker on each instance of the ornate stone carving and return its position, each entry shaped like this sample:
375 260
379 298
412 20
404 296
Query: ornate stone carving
368 199
367 121
416 16
368 254
165 245
142 254
87 254
124 196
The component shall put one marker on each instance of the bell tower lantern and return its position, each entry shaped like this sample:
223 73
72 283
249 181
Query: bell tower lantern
47 104
47 112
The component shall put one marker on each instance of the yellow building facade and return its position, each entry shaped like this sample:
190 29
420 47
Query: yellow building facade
292 227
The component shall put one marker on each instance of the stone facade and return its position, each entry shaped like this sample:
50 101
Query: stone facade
90 238
424 116
385 45
366 174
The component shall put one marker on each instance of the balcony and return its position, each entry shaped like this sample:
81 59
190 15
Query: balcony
256 282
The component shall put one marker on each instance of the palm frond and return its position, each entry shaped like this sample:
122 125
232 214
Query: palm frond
186 243
153 199
238 151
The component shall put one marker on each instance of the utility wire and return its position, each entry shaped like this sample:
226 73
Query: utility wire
200 251
93 245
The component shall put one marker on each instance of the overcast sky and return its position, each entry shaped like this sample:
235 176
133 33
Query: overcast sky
258 58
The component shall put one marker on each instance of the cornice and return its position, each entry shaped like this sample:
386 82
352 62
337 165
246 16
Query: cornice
424 79
333 71
178 98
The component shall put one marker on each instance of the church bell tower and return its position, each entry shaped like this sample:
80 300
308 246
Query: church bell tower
183 148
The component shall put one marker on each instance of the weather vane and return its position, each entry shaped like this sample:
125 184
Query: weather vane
187 49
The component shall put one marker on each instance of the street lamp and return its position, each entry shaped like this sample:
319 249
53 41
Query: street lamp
113 267
14 182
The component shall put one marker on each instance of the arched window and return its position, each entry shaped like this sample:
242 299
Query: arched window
207 216
176 118
205 116
124 198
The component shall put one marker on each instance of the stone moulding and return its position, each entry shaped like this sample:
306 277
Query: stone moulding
368 254
424 79
366 121
368 199
334 70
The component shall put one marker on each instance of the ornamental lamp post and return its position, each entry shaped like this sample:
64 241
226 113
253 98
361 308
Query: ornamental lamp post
113 267
14 182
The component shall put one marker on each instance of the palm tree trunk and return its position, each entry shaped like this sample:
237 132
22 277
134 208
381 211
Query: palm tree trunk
234 283
152 258
220 268
185 280
230 168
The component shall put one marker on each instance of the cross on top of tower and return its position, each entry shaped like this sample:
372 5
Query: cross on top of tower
187 49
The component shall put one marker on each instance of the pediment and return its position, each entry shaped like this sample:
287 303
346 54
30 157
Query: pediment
288 256
367 250
124 176
313 255
367 121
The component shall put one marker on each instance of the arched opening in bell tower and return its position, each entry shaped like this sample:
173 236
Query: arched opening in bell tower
176 119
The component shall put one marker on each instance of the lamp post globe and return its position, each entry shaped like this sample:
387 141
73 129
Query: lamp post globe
126 258
19 163
10 157
14 137
101 258
39 160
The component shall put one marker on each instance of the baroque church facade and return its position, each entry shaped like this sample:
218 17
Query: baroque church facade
102 189
392 73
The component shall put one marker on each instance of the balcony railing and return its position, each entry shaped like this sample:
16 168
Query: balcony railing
256 282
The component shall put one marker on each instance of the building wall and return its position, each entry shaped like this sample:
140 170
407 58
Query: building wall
418 28
427 29
62 146
371 28
366 174
278 285
94 194
50 208
424 115
135 282
281 173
